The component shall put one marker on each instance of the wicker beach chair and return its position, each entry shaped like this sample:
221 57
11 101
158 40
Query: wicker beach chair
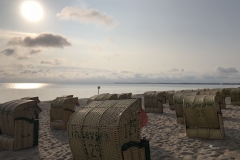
61 110
235 96
222 92
178 104
125 96
169 99
37 109
102 129
103 96
18 128
202 116
153 101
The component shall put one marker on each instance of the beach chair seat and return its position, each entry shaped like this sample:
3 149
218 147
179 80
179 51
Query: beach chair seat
153 101
202 117
18 128
61 110
100 129
136 150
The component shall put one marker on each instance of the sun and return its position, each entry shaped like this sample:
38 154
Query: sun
32 11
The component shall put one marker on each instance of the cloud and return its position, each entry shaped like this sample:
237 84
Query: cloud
87 16
22 57
226 70
54 62
33 51
8 52
176 70
41 40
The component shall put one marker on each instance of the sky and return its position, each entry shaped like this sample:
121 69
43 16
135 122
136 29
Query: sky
107 41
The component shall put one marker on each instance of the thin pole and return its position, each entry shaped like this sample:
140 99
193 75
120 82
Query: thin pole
98 89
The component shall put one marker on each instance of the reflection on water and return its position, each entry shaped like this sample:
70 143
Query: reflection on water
25 85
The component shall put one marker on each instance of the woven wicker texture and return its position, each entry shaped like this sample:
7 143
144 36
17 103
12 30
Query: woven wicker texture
227 92
125 96
98 130
134 153
61 110
110 97
59 104
220 92
202 117
91 99
11 110
17 124
178 104
102 97
31 98
169 99
235 96
153 101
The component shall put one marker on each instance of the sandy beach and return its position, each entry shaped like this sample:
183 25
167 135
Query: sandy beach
167 138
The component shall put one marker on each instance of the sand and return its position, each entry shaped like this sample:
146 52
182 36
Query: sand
167 139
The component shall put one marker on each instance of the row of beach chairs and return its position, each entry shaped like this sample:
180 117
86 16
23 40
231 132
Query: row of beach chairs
199 110
109 125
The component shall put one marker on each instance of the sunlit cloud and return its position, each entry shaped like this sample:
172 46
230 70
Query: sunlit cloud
87 16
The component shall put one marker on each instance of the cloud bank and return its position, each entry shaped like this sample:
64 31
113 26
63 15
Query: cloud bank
87 16
41 40
226 70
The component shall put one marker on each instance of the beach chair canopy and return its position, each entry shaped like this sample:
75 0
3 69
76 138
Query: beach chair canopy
125 96
103 96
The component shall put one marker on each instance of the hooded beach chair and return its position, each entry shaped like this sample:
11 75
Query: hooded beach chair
153 101
61 110
18 128
103 96
169 99
125 96
108 130
178 104
235 96
202 116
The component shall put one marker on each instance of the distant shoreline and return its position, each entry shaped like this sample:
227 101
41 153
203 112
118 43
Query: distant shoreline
179 83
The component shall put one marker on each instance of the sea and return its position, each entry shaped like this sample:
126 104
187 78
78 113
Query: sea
49 91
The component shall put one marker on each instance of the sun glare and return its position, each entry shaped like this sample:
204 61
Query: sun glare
32 11
25 85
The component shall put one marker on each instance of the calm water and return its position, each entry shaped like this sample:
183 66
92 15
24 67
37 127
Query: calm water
47 91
